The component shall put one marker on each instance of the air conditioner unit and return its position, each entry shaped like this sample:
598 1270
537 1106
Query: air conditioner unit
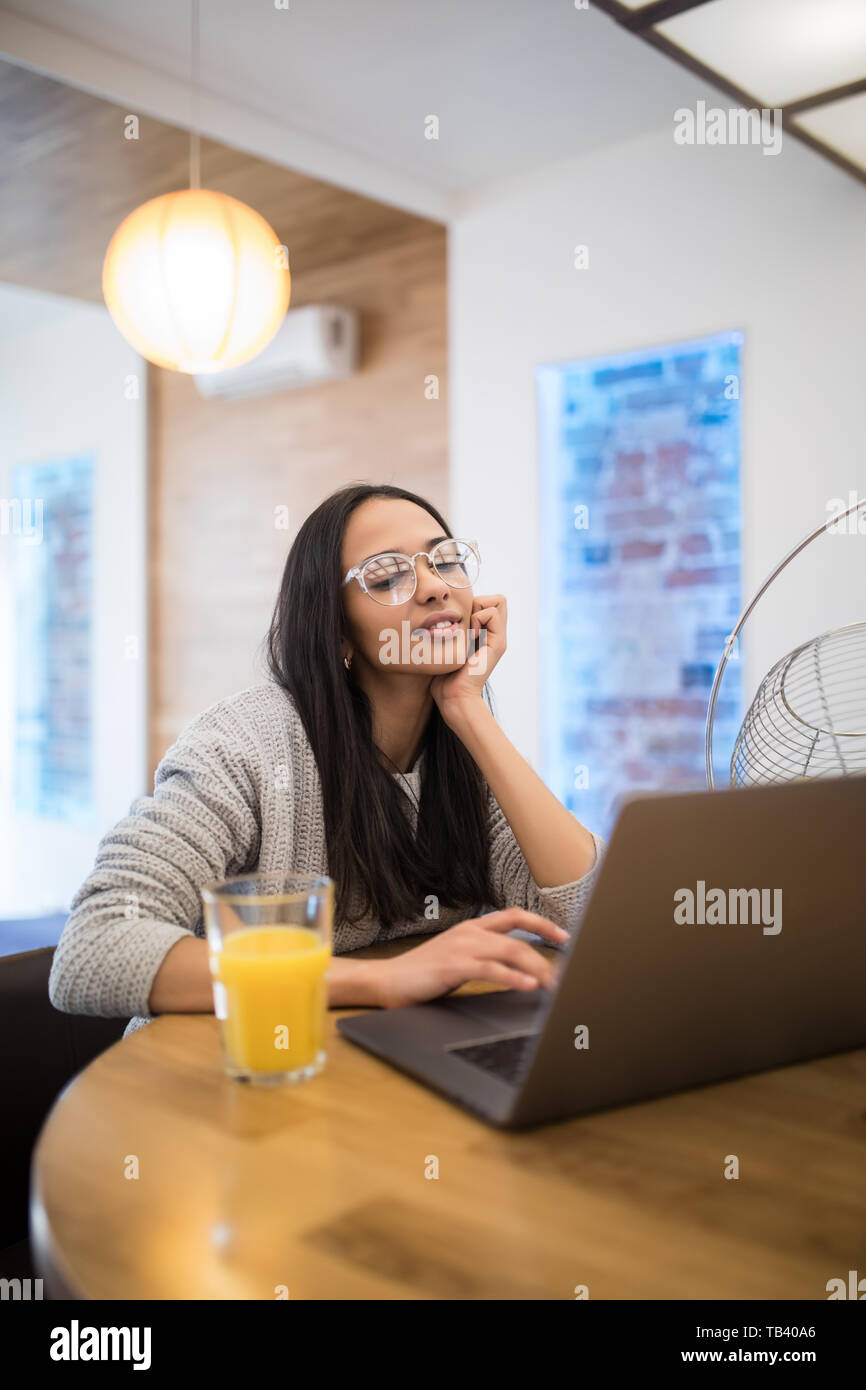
314 344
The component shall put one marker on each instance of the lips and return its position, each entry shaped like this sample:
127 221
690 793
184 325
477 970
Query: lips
430 624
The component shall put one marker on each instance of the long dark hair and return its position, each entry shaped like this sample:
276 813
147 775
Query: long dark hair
377 867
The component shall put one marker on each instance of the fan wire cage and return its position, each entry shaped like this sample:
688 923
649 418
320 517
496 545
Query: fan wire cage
808 717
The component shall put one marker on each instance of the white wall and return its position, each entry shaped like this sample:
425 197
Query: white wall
683 241
63 369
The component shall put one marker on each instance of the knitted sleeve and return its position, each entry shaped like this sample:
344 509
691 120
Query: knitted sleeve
509 872
142 895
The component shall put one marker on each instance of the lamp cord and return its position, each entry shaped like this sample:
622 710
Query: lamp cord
194 137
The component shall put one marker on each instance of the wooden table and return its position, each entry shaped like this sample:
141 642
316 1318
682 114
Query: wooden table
324 1188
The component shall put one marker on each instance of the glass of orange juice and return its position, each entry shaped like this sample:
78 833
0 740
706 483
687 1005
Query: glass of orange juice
270 938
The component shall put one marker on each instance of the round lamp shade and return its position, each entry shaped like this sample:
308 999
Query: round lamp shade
196 281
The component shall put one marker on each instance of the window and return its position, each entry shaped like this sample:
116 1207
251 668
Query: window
640 515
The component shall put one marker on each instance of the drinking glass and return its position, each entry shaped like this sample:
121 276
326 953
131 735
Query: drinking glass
270 940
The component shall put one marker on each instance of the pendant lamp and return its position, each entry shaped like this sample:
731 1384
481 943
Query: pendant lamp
196 281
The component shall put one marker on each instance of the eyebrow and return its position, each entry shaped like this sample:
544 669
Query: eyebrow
395 548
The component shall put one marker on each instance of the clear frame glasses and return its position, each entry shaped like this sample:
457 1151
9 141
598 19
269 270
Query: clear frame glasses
391 577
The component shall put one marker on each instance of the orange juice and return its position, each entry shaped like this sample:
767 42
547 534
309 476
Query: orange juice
275 996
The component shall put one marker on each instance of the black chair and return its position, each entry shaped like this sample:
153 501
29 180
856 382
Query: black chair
41 1050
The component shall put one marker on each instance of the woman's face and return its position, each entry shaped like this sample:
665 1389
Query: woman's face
393 637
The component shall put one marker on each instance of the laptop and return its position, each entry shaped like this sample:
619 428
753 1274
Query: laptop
725 934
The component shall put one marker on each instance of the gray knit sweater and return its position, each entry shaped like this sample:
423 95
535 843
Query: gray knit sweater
238 791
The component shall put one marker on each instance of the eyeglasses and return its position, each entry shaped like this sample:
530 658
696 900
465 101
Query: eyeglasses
392 578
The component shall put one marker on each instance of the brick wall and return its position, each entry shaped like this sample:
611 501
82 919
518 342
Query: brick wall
641 586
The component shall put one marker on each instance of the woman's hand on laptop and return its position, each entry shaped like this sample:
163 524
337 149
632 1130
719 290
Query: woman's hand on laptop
477 949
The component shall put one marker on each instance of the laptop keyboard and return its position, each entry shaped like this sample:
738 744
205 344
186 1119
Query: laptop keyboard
504 1057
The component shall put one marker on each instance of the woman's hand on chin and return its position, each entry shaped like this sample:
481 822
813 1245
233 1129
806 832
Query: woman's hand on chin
452 692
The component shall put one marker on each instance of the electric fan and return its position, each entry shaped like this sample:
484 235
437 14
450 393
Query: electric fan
808 717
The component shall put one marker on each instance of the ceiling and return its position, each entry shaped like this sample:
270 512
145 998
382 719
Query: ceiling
68 178
340 90
802 63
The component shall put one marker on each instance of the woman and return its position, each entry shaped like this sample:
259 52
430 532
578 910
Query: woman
371 755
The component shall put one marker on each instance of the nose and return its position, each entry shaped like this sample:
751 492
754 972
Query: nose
429 583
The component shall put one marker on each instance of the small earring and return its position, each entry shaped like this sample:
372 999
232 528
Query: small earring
347 662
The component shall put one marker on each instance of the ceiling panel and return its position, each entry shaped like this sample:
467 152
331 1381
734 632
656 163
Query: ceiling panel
778 50
68 178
